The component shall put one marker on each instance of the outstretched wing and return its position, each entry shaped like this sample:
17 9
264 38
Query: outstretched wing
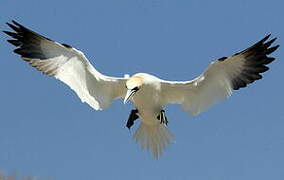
68 65
220 79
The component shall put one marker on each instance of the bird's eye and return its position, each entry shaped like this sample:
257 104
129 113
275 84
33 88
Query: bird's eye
135 89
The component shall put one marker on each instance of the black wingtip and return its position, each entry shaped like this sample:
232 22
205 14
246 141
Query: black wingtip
12 34
268 60
9 33
266 37
259 43
272 49
267 44
15 28
18 51
6 32
15 42
13 21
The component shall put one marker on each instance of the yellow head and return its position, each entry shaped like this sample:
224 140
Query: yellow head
132 85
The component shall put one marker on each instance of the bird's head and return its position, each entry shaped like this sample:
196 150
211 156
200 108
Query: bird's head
133 85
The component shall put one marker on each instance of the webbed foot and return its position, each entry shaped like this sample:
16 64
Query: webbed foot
162 118
132 117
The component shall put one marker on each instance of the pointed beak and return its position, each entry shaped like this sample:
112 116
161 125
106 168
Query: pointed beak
129 95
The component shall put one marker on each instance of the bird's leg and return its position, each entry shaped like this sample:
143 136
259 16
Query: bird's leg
162 117
132 117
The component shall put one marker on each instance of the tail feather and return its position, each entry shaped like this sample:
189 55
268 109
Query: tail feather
155 138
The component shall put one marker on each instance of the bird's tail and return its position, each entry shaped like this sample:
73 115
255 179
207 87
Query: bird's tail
155 138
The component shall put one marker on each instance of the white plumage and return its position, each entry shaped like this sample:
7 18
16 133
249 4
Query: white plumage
148 93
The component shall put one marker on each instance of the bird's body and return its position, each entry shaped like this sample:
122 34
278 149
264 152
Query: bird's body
148 99
151 133
148 93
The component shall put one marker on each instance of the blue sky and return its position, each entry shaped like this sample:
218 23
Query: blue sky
47 132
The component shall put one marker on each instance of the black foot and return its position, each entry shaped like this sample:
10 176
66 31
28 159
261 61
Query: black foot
162 118
132 117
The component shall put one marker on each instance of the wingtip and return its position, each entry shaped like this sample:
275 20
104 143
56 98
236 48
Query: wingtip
14 42
272 49
12 26
277 46
12 34
11 22
274 39
7 32
267 44
16 23
265 38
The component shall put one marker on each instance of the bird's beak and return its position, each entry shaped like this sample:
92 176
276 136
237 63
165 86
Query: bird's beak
129 95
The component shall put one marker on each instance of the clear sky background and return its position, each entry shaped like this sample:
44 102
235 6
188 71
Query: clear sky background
45 131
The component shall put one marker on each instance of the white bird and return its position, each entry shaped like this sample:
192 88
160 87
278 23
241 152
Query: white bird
148 93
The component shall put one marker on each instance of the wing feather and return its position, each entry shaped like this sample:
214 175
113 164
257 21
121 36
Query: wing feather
67 64
220 78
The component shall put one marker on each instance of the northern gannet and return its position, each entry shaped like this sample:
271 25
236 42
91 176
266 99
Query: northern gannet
148 93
